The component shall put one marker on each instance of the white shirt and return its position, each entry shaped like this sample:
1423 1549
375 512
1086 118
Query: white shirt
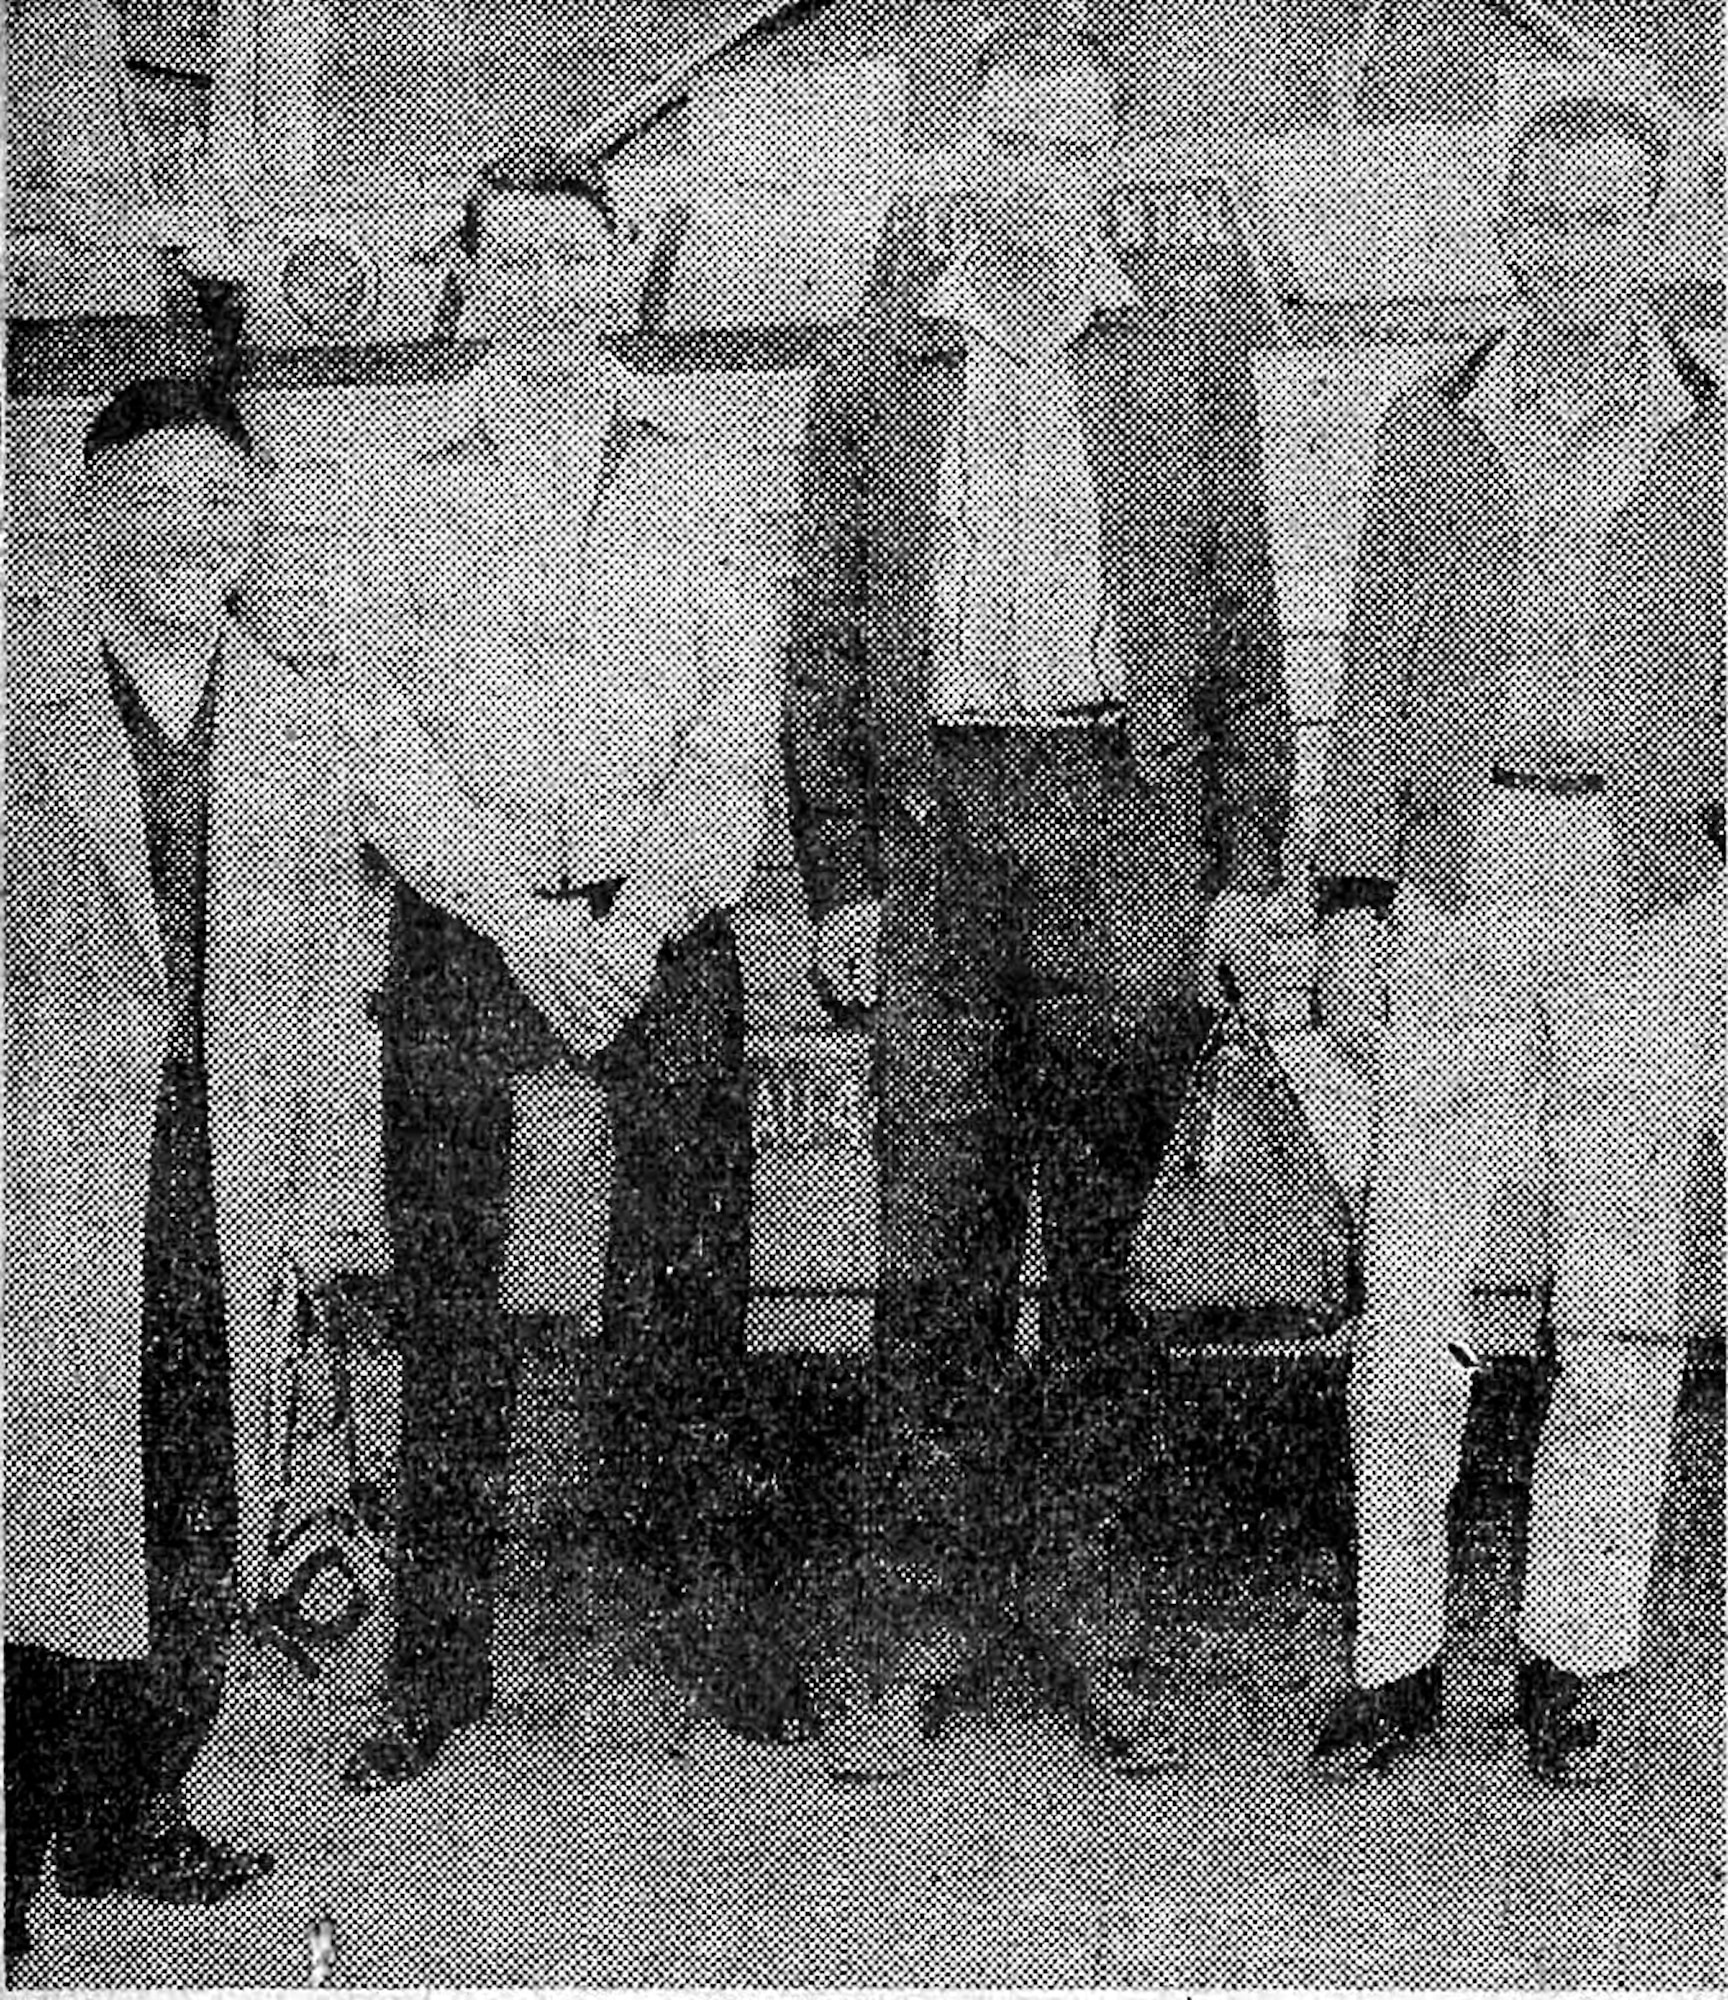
1022 625
550 674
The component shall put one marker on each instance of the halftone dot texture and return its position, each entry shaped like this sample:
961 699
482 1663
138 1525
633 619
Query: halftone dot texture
672 1547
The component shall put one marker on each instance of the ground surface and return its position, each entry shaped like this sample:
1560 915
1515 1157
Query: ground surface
557 1845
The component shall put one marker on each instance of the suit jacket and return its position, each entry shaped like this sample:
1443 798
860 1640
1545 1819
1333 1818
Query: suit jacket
293 1099
1166 400
1429 638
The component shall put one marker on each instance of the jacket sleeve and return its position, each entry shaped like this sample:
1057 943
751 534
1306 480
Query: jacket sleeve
1245 704
340 1191
828 739
408 804
1360 838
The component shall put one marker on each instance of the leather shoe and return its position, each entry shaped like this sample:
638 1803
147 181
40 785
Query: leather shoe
1125 1721
1371 1729
886 1735
404 1746
170 1864
1560 1716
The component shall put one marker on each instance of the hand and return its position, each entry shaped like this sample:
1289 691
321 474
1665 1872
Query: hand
1350 986
1238 935
847 958
626 961
552 952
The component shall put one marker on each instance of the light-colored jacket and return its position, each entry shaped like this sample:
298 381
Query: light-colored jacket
293 1099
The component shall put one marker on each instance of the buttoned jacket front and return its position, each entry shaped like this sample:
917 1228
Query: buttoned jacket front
549 676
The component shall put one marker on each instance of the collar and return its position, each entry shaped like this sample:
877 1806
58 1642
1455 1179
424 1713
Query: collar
62 640
1104 289
481 414
1647 378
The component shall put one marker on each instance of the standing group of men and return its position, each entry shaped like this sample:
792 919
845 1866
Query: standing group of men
1034 722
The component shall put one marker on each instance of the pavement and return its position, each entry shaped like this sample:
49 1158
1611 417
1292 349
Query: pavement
558 1844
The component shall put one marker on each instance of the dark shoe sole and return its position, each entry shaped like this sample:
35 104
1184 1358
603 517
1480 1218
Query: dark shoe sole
200 1891
386 1764
200 1888
1375 1761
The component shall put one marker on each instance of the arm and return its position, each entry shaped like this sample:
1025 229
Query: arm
406 803
697 849
828 738
1245 702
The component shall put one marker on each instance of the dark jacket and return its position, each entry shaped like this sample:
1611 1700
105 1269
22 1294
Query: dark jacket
1167 404
1429 639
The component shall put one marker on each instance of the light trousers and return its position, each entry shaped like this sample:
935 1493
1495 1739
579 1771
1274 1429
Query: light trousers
1533 1034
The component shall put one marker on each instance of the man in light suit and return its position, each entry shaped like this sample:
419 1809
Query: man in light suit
561 723
186 1120
1040 762
1520 889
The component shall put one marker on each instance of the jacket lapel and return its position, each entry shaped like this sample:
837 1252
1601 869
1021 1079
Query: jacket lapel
915 409
87 758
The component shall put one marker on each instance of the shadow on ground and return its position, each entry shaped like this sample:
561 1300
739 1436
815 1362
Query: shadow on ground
559 1845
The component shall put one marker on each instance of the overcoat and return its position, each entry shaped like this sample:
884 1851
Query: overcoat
293 1096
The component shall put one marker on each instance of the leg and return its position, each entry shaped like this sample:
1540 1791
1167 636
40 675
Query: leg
677 1273
138 1727
37 1709
1632 1061
1596 1496
954 1177
453 1029
1100 1452
1457 1076
1113 925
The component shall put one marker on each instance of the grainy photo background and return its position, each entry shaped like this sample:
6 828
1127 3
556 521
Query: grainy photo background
603 1824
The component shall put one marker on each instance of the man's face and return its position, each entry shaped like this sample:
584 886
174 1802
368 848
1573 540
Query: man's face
1577 231
173 521
544 263
1039 162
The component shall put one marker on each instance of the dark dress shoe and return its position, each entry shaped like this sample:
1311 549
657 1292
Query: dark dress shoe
1370 1729
402 1748
18 1940
1126 1719
1559 1715
886 1735
170 1864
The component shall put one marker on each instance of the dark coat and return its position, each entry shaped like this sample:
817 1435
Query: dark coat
1429 640
1167 403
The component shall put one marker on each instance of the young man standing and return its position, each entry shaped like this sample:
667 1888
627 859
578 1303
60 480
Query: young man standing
1040 759
1520 891
561 729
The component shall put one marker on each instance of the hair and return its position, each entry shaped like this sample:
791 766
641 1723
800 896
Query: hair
165 403
536 170
1569 122
1035 48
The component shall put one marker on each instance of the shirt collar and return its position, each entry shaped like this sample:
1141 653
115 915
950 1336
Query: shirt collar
1641 381
481 414
1106 288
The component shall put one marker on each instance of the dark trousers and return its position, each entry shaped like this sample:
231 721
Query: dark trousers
95 1748
1040 938
457 1030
